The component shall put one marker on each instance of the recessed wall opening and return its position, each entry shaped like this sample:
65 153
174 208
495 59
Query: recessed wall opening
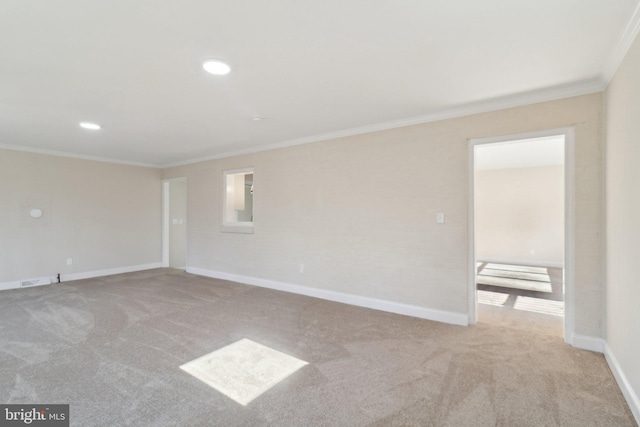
238 197
174 223
521 229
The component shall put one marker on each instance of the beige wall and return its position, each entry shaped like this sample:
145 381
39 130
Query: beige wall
359 212
519 215
99 214
623 216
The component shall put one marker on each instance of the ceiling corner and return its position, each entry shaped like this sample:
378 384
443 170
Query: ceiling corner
627 36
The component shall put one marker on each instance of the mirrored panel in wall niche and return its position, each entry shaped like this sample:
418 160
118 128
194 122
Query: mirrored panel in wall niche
238 198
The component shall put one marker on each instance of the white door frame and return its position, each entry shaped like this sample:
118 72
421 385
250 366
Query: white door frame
166 220
569 222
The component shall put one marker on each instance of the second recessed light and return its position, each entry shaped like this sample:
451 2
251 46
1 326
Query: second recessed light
90 126
217 67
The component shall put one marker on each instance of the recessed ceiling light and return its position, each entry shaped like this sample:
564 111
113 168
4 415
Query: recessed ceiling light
257 118
90 126
217 67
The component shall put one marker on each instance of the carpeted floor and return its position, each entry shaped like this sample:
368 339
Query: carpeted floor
112 348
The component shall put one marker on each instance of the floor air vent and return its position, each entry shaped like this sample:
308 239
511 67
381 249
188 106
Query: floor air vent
35 282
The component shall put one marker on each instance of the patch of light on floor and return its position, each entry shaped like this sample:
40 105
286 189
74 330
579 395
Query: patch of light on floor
521 268
243 370
492 298
555 308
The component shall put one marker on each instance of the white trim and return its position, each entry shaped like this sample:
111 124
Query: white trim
166 219
10 285
585 342
247 170
603 222
357 300
40 281
166 229
76 156
17 284
569 229
472 270
79 276
622 46
569 234
628 392
523 262
109 272
234 226
519 100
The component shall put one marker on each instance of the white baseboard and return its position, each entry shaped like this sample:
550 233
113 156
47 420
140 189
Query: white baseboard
85 275
585 342
524 262
16 284
109 272
10 285
627 390
360 301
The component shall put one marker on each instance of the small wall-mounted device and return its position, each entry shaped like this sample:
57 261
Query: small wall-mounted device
35 212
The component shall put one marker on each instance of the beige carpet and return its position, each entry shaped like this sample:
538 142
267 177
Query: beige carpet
112 348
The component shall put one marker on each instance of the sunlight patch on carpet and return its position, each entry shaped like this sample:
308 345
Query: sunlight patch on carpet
492 298
243 370
536 305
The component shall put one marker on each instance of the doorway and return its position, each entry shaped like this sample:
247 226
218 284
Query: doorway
521 227
174 223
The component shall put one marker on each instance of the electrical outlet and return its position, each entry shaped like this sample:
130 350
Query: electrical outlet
301 268
69 261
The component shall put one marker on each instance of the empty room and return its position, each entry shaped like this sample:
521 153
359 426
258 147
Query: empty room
519 223
365 213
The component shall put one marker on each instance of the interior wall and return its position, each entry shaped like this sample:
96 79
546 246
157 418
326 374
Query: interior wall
359 212
101 215
178 224
623 218
519 215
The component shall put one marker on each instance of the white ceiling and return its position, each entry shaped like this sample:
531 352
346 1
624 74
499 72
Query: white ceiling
312 69
524 153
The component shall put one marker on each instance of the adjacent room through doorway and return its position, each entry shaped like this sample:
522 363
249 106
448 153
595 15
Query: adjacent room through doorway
519 211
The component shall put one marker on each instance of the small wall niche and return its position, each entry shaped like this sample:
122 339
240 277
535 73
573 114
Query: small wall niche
238 200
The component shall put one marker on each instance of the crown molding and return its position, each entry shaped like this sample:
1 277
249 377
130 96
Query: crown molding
495 104
74 155
518 100
622 46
